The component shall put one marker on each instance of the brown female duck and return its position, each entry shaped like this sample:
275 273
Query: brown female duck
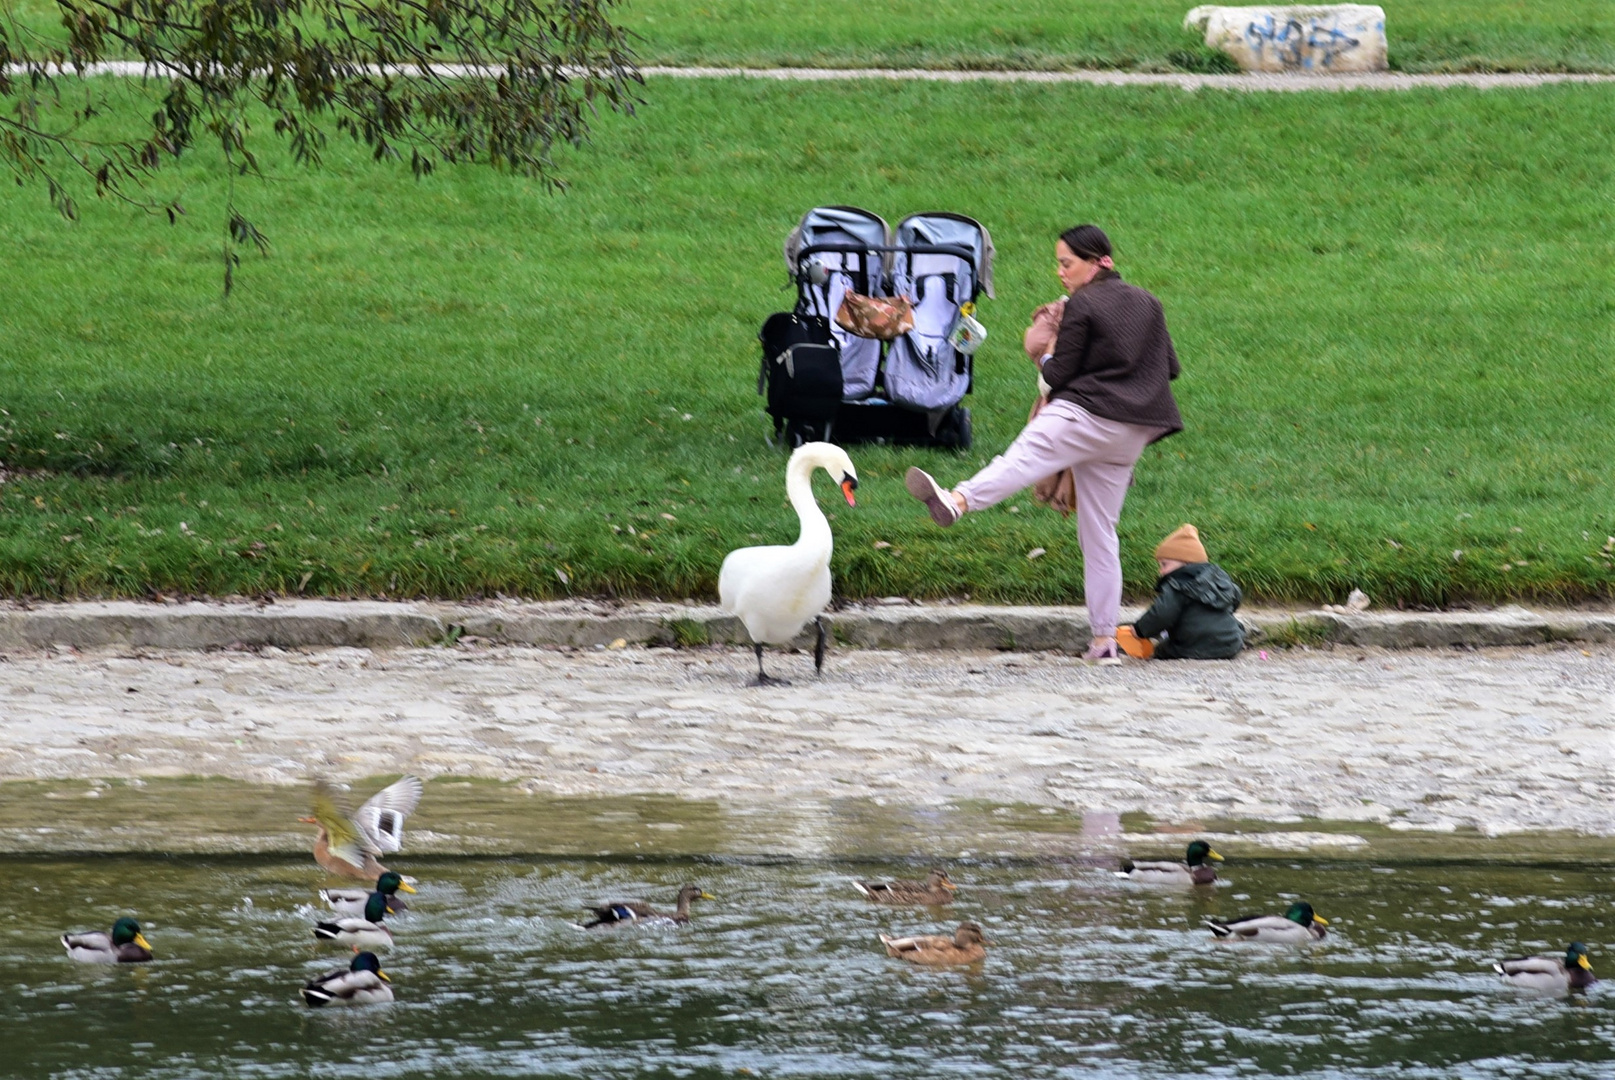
935 889
347 845
966 946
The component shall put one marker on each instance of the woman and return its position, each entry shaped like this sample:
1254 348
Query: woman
1109 375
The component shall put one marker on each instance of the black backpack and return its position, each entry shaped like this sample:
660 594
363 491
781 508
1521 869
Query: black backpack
800 376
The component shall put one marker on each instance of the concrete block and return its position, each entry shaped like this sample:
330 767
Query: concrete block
1331 39
1590 627
291 624
1437 629
964 626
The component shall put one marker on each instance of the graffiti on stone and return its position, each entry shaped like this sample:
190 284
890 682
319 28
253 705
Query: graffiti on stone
1298 38
1297 45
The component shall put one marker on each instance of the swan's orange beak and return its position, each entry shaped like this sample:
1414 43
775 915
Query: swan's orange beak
848 486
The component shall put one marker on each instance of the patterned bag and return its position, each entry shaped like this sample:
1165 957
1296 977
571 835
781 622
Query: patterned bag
885 318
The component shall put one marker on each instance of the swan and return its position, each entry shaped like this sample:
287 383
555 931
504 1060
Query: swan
774 591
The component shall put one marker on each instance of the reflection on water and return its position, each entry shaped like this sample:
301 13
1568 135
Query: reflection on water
783 975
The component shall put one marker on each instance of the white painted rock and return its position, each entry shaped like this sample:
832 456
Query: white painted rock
1332 39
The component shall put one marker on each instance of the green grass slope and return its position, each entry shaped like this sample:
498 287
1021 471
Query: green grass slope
1395 314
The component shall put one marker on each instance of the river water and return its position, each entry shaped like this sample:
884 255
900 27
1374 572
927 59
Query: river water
783 975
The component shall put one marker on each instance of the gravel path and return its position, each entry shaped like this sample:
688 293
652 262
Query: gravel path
1184 81
1500 739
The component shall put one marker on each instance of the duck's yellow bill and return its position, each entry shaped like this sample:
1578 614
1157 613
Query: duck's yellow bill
1582 960
382 975
1320 920
1214 856
707 896
404 885
140 939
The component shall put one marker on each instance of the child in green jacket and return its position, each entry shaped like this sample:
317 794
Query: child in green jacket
1193 613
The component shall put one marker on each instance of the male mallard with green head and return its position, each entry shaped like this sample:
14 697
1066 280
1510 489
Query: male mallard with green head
1549 974
370 930
347 845
638 913
935 889
1295 926
351 902
125 945
360 983
966 946
1193 870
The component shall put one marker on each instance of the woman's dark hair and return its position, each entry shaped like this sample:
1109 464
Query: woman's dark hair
1087 242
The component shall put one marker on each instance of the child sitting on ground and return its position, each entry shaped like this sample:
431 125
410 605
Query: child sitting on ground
1193 613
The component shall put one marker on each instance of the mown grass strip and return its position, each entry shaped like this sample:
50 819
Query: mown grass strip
1394 313
1128 35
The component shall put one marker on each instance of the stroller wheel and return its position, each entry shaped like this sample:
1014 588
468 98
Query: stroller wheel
955 430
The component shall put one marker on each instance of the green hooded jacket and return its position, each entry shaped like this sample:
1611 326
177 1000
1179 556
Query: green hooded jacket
1194 606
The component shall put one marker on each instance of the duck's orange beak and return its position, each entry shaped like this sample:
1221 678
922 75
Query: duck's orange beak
309 820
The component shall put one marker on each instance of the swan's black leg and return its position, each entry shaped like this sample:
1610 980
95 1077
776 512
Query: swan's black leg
763 678
818 647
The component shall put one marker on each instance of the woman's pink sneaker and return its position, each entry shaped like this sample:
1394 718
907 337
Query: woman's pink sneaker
937 499
1104 655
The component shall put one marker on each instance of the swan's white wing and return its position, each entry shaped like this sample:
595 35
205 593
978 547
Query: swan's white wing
381 818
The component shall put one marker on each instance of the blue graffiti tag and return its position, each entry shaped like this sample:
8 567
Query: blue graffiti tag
1297 46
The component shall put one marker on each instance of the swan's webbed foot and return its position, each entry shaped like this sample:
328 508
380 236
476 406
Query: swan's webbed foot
763 677
768 680
818 647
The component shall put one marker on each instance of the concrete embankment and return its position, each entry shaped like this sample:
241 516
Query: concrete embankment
897 624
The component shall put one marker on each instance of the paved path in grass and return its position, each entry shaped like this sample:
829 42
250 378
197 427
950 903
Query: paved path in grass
1499 739
1185 81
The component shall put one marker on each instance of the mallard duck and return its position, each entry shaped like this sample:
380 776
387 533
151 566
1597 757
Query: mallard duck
1193 870
125 945
1549 974
351 902
637 912
1296 925
966 946
360 983
347 845
369 930
935 889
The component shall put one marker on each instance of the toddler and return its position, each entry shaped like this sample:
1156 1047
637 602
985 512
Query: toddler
1193 613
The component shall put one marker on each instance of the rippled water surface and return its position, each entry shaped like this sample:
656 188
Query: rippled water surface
782 975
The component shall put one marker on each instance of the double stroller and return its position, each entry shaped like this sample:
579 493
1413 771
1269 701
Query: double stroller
823 383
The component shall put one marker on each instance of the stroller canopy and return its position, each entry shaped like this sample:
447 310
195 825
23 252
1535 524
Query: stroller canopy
838 226
950 231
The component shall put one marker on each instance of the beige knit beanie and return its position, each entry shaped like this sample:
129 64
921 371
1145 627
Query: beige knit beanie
1183 545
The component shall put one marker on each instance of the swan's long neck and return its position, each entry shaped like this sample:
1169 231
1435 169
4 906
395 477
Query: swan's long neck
815 535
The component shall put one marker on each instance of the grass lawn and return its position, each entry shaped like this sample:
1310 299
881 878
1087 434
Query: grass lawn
1395 313
1135 35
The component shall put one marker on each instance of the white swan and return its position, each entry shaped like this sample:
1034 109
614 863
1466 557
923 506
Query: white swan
775 590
